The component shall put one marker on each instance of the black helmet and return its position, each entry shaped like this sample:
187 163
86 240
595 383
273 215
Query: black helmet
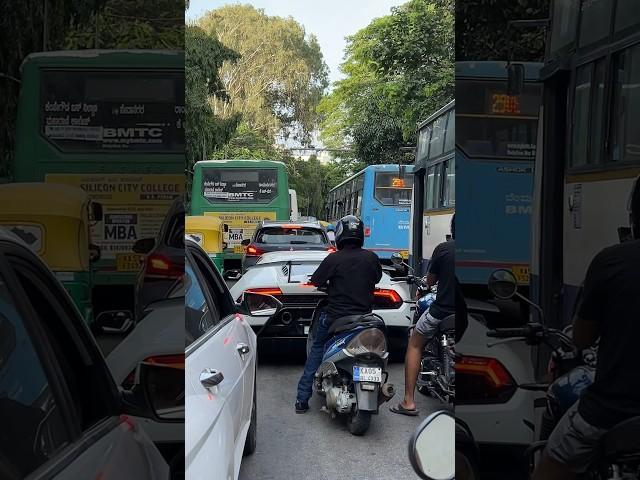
349 229
634 209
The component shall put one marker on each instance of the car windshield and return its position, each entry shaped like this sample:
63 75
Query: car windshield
291 236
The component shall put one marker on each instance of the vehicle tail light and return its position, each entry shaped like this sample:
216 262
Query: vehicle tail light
482 380
367 231
175 361
161 266
253 251
387 298
264 291
331 249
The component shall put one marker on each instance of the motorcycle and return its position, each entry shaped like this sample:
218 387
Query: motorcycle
437 369
352 377
572 371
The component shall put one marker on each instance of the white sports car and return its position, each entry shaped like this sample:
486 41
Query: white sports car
285 275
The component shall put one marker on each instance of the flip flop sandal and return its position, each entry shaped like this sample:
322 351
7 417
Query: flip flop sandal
399 409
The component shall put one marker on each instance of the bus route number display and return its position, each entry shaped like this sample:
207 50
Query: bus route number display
503 104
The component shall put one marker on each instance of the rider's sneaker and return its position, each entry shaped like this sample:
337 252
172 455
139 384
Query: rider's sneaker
302 407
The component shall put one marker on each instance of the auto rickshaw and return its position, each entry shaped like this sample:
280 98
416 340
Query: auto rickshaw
55 222
206 231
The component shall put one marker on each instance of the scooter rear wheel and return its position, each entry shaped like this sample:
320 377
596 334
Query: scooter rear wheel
358 422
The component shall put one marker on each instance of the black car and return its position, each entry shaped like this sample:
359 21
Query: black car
273 236
163 261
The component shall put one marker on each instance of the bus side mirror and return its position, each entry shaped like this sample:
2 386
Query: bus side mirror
515 79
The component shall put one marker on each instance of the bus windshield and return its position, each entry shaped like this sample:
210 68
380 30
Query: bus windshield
134 111
491 123
391 190
239 185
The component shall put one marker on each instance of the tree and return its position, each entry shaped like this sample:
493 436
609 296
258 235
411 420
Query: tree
398 70
481 27
205 132
280 76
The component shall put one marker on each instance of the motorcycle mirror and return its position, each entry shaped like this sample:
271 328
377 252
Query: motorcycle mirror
432 447
397 259
503 284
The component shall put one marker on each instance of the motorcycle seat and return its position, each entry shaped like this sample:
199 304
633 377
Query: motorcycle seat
350 322
623 439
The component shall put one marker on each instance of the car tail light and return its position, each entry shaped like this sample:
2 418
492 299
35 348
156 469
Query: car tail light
161 266
387 298
253 251
331 249
367 231
264 291
482 380
175 361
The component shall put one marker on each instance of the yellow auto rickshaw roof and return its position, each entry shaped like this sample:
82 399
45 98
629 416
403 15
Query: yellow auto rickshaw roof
205 222
42 199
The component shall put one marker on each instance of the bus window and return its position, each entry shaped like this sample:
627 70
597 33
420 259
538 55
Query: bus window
449 196
582 97
437 137
626 116
428 189
437 183
450 138
391 190
423 142
597 113
239 185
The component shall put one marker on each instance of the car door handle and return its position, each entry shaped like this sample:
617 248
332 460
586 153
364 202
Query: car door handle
210 377
242 348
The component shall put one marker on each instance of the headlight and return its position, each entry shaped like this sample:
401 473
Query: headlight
370 340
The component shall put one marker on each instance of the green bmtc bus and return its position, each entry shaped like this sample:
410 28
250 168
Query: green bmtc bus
241 193
110 122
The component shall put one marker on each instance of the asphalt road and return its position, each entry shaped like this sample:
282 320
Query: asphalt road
315 447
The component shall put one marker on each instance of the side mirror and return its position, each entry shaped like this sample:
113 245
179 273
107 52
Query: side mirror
397 259
114 321
144 245
515 79
94 252
159 394
96 212
503 284
260 305
432 448
245 242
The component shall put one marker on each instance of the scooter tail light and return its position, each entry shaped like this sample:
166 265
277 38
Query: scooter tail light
371 340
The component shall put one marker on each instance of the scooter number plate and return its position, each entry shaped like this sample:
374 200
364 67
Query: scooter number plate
367 374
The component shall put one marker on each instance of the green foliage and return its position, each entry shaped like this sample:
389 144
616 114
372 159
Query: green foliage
154 24
398 70
481 27
205 132
280 76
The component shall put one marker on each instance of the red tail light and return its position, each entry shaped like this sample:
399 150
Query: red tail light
331 249
161 266
367 231
253 251
175 361
264 291
482 380
387 298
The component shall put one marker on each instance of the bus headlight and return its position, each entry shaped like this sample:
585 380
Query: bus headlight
371 340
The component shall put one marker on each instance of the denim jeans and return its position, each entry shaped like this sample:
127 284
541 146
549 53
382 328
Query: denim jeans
314 359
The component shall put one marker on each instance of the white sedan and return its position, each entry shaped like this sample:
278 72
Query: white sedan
285 275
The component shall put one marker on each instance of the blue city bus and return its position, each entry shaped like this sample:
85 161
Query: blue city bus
381 196
495 155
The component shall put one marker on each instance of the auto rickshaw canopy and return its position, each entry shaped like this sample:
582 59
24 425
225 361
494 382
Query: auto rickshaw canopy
207 231
52 219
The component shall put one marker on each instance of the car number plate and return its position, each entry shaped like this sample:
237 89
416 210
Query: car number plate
235 235
238 249
128 262
521 273
367 374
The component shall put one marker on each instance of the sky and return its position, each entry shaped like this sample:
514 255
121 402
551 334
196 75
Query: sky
330 20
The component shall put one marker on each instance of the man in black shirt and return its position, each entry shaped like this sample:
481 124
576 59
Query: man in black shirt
442 271
351 274
610 310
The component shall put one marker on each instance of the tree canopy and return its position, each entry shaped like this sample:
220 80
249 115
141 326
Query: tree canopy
398 70
280 76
